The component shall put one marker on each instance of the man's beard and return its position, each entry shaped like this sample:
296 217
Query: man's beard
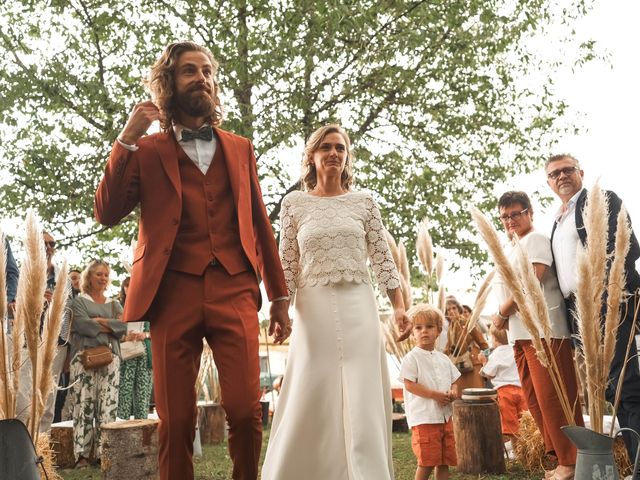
195 102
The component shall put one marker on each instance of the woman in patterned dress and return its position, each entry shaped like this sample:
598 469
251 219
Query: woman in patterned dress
136 376
334 411
96 321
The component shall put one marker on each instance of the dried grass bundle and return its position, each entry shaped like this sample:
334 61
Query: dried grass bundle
425 247
592 267
442 298
615 289
439 267
43 447
30 304
5 383
50 333
405 277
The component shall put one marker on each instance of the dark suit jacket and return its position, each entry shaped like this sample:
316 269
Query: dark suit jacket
632 277
150 177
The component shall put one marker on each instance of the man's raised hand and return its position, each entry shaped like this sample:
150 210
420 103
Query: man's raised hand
142 116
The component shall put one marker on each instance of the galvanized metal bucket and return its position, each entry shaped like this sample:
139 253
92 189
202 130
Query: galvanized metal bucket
595 459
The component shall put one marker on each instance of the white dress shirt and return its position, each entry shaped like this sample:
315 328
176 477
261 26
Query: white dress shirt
501 367
199 151
565 247
431 369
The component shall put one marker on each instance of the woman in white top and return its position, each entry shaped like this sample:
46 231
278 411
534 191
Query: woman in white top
516 215
333 419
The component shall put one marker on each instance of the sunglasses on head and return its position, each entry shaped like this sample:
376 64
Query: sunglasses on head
50 243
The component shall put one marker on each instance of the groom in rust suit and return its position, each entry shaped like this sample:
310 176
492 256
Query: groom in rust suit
204 241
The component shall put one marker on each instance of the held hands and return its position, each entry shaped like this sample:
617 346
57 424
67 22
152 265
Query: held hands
142 116
279 323
403 324
443 398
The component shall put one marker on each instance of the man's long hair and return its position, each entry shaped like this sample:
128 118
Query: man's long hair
161 83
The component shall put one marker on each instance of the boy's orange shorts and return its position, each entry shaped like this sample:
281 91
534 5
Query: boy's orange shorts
434 444
512 403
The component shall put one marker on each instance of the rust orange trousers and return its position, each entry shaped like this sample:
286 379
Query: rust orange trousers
222 309
542 399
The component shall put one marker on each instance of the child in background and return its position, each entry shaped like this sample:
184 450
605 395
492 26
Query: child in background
429 379
501 369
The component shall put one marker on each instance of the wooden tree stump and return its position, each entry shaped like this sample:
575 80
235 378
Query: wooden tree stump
479 447
130 450
61 439
212 423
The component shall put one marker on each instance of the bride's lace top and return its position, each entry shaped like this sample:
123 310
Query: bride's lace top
328 239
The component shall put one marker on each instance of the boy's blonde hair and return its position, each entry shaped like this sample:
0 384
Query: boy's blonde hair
426 312
500 334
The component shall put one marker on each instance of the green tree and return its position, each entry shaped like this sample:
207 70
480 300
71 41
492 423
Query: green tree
430 91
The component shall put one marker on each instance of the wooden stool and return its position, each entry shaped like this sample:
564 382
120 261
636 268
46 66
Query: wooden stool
130 450
61 439
212 423
478 433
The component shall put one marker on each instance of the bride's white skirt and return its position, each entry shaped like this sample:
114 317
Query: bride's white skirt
333 419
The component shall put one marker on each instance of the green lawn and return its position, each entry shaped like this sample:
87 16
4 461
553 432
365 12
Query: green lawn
216 465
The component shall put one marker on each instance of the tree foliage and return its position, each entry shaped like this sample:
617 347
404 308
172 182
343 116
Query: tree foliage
431 92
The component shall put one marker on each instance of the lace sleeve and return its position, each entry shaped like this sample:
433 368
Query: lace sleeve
379 253
289 251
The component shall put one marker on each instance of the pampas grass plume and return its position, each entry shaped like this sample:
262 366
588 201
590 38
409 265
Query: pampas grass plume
30 299
425 247
53 322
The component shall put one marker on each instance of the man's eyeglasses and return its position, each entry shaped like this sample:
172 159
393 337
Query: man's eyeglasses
566 170
51 243
514 216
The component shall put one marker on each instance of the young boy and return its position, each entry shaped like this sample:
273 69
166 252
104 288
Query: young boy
502 371
429 379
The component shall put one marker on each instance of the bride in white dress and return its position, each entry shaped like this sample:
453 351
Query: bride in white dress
333 420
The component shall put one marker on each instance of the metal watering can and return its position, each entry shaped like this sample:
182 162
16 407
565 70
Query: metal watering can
595 453
18 458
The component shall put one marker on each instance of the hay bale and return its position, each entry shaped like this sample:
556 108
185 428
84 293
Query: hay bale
621 456
43 448
531 453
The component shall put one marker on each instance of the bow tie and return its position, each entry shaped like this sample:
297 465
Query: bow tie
204 133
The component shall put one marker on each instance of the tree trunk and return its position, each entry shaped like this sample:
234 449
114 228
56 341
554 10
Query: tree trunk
479 447
61 439
130 450
211 423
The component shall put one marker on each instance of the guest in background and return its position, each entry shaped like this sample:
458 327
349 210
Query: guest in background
500 368
96 321
464 345
136 376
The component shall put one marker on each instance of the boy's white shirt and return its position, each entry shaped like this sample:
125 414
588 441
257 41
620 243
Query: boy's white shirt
435 371
501 367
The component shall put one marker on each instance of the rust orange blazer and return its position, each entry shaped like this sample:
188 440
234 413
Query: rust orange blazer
150 177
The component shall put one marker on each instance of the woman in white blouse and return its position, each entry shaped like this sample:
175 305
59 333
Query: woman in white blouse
334 411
